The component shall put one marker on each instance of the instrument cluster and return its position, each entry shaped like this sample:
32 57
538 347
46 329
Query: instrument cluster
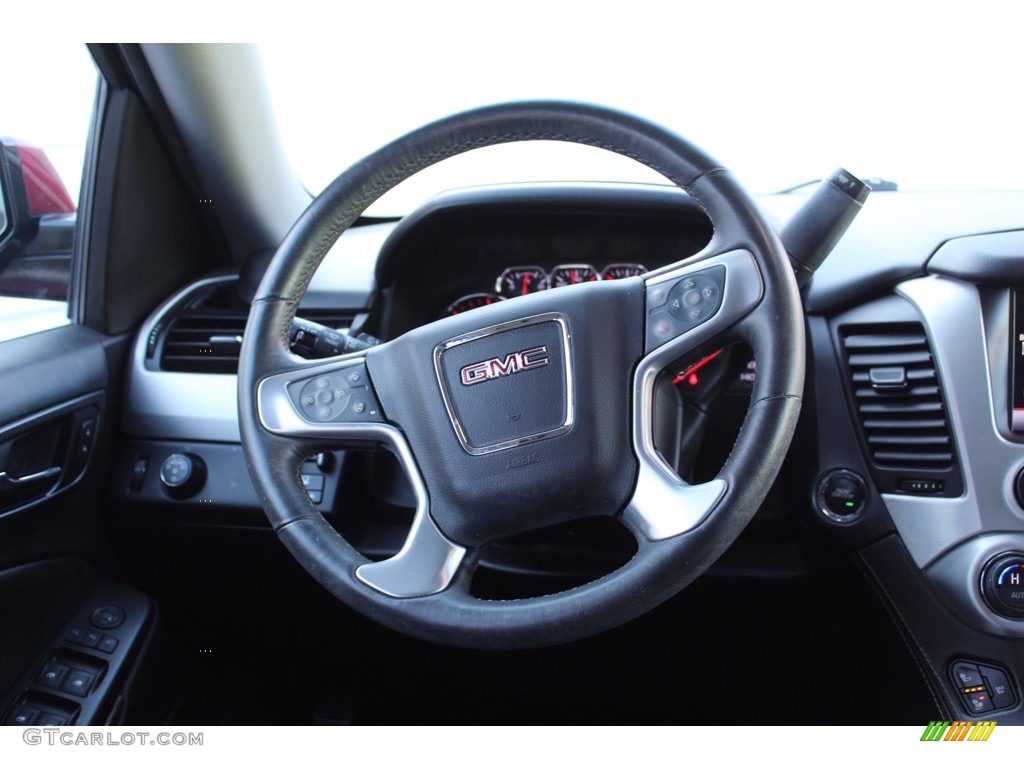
522 280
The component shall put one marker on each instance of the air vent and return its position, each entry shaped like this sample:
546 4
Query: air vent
898 399
203 343
204 335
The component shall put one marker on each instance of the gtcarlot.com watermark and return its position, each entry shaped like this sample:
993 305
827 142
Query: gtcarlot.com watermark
70 738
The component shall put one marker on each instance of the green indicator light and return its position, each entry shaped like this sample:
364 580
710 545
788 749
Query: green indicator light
849 503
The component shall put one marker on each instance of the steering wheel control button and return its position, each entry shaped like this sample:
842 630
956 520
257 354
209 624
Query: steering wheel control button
1002 584
508 385
344 395
675 308
182 475
841 495
107 617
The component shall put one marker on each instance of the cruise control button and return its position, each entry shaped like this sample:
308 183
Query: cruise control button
322 399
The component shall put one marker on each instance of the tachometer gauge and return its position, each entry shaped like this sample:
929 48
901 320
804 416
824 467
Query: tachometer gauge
571 274
619 271
472 301
519 281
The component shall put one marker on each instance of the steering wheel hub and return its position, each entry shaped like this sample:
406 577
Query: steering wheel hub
491 411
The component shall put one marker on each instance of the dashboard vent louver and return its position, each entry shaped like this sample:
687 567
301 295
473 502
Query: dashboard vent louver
898 398
203 343
204 335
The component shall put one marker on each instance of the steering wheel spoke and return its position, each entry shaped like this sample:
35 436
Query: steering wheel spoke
333 401
686 307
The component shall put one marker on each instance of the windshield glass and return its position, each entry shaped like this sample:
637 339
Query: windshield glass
927 117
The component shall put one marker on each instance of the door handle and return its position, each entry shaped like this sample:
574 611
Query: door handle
10 484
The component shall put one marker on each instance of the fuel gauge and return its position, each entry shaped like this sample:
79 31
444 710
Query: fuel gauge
519 281
619 271
571 274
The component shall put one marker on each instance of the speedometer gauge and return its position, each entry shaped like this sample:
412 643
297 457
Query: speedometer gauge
472 301
519 281
571 274
619 271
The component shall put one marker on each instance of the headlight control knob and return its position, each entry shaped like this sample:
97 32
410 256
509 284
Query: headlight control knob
182 475
1002 584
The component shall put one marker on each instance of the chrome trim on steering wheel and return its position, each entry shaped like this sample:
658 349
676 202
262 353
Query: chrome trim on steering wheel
663 505
570 408
428 560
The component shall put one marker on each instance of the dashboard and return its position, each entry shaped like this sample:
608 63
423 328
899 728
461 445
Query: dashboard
910 454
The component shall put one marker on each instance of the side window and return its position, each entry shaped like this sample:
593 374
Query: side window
44 124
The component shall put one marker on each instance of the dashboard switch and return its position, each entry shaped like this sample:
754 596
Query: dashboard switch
138 477
967 675
1002 584
978 702
998 686
841 494
182 475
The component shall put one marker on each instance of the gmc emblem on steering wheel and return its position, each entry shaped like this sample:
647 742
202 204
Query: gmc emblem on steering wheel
497 367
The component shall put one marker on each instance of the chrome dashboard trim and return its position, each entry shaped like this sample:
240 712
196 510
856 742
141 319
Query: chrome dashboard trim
168 405
953 318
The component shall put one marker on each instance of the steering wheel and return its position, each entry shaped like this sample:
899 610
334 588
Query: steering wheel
528 412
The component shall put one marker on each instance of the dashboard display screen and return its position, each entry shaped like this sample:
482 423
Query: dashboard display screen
1017 363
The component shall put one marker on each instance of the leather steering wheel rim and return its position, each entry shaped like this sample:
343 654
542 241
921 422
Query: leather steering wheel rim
760 305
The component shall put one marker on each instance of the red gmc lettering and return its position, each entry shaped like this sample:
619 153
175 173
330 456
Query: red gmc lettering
497 367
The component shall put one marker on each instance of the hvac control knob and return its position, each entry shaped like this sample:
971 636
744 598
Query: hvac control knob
1002 584
182 475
